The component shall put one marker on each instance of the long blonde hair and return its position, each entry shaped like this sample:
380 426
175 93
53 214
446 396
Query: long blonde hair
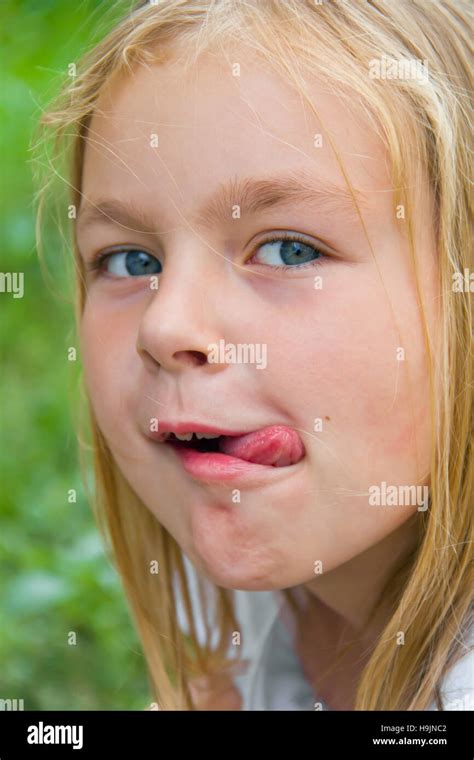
426 128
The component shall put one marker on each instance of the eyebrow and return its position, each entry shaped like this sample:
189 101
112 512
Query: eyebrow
252 195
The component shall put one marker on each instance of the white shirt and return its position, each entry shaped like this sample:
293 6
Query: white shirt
274 680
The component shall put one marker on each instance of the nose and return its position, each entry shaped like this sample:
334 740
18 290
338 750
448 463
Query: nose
179 326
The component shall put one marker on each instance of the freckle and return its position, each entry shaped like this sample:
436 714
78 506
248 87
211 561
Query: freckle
327 418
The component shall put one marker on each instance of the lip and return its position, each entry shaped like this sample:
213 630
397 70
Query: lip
191 427
216 467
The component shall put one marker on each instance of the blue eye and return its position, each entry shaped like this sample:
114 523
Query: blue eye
287 251
130 263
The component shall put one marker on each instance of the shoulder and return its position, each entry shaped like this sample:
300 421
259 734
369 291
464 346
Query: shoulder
457 686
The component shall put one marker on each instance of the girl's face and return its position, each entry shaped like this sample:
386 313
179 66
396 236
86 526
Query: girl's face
331 324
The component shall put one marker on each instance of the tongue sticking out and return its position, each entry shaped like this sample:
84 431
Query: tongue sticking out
276 445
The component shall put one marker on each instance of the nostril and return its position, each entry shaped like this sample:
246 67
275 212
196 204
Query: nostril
196 358
199 356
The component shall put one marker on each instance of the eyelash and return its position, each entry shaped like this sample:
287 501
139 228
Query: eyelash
97 262
297 239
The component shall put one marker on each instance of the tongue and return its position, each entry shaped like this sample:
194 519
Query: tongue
276 445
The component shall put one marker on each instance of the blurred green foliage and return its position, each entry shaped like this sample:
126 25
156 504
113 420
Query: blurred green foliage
54 576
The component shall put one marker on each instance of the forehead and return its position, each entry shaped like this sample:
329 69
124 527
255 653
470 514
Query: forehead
179 131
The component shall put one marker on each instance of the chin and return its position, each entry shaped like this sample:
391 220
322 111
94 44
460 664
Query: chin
234 570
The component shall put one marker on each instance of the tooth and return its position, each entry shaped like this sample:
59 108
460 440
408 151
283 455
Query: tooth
208 436
184 436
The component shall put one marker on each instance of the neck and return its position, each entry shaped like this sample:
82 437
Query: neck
352 590
336 629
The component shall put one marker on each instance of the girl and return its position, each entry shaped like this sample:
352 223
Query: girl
271 236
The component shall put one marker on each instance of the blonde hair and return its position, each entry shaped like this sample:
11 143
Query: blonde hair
336 41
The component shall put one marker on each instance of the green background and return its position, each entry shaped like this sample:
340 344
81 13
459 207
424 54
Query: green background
54 575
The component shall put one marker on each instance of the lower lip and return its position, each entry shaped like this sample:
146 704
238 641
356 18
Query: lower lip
216 467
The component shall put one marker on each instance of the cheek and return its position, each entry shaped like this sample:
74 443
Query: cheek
348 357
337 352
109 360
